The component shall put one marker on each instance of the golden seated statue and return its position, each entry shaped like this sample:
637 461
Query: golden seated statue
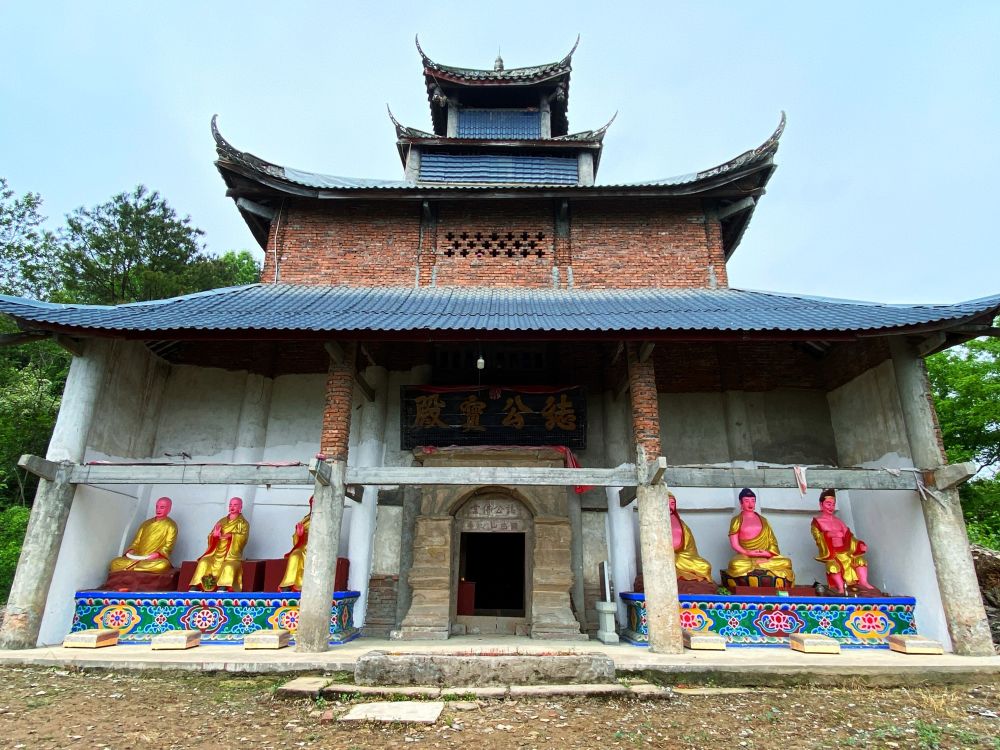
150 550
296 556
690 565
758 560
222 562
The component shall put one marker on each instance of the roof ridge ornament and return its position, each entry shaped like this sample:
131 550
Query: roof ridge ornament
763 151
404 131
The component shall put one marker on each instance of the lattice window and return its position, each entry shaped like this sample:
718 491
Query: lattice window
494 244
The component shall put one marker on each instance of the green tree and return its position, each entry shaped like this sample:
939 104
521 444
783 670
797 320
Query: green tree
25 247
132 248
966 386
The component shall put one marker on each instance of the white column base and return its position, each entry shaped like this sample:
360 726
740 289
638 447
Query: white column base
606 622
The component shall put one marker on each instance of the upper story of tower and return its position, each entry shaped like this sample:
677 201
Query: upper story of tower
497 193
505 126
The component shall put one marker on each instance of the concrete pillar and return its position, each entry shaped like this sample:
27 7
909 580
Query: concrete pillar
368 452
315 604
655 543
575 509
956 574
621 530
404 592
53 499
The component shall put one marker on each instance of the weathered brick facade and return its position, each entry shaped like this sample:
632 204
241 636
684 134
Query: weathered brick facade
380 615
496 243
645 408
337 411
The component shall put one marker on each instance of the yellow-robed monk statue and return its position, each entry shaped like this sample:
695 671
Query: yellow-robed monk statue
756 546
150 550
223 560
296 556
690 565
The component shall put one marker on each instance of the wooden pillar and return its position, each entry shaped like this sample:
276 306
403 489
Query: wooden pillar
47 523
956 574
315 604
655 540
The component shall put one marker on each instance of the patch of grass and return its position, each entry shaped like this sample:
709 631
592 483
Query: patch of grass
458 696
928 735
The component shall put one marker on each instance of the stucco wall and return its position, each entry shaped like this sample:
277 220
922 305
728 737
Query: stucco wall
870 432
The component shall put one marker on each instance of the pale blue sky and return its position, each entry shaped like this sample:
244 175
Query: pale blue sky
886 170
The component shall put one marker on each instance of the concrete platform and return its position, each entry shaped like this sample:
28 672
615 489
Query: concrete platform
736 666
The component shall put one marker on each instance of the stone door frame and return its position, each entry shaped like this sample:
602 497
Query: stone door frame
522 520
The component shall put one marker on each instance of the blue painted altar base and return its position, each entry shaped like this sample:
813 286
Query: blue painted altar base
770 620
222 618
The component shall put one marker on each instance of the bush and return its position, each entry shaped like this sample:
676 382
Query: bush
13 524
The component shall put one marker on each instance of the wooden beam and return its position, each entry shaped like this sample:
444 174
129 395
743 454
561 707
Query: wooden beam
623 388
191 474
626 495
40 467
72 345
336 352
655 470
734 208
502 475
13 339
953 475
365 386
931 343
978 330
320 469
646 350
781 477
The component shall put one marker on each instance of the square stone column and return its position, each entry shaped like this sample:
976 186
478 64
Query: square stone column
551 579
316 601
429 616
659 574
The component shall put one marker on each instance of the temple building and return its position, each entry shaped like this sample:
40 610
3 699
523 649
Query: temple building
489 373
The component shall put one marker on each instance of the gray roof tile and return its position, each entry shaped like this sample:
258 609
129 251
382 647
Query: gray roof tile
291 308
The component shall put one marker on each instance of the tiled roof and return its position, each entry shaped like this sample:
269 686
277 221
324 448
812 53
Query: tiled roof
754 158
296 308
498 169
509 75
499 123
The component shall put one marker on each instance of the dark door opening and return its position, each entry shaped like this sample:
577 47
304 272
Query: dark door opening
494 564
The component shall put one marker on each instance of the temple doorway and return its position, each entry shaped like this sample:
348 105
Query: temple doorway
492 565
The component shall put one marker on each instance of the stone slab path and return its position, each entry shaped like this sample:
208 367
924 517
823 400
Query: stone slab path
405 712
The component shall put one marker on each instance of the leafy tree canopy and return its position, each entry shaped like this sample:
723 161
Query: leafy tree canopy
135 248
25 247
966 385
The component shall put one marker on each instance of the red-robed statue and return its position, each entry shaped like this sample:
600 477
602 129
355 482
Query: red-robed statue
839 550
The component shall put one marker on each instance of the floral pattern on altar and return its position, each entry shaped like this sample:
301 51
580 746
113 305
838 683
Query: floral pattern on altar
770 620
220 618
869 624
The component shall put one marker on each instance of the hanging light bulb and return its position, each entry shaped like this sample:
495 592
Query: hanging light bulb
480 363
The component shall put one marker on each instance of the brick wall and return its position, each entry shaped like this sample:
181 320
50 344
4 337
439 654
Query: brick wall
642 243
355 244
380 617
645 408
598 244
337 406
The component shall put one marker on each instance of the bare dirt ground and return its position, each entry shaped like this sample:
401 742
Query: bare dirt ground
48 708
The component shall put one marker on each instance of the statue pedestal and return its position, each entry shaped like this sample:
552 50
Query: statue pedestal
606 630
754 620
131 580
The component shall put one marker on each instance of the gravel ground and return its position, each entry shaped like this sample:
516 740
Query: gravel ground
47 708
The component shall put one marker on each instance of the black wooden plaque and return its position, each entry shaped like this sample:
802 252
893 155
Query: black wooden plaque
488 415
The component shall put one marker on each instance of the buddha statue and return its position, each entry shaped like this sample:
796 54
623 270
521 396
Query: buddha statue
757 554
690 565
150 549
296 556
223 560
839 550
